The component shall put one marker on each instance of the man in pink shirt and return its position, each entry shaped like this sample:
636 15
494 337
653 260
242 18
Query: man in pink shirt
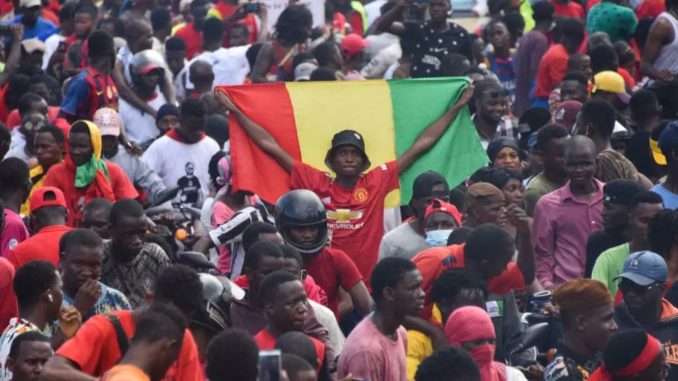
564 218
376 348
13 192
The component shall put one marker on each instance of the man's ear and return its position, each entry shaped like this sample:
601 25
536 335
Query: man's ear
388 294
10 364
580 322
169 345
149 296
47 295
268 309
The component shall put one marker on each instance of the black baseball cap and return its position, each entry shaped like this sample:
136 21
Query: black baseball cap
424 183
621 192
348 138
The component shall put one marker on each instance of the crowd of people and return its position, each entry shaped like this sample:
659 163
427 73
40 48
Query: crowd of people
128 253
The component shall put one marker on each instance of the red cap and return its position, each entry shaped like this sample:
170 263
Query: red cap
353 44
47 196
444 207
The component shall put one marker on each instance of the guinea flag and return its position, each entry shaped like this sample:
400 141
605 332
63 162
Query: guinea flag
303 117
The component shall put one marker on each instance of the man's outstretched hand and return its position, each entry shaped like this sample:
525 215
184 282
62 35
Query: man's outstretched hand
465 97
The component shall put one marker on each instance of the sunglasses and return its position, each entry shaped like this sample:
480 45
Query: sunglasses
627 286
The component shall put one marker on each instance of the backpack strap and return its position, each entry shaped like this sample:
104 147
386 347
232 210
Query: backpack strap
121 336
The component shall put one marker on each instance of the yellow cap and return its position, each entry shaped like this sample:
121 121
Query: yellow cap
657 154
612 82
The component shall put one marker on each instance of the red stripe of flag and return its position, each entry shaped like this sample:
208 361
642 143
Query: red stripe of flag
269 106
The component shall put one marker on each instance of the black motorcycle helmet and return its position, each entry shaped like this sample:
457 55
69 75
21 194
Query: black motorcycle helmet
300 208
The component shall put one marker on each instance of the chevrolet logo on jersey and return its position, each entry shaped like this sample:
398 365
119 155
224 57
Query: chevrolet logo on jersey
344 215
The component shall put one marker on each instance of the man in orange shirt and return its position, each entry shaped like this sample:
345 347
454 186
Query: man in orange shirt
48 217
155 346
100 343
488 252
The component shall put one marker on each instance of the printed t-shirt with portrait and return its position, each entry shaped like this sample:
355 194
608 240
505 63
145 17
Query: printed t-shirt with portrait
183 165
355 215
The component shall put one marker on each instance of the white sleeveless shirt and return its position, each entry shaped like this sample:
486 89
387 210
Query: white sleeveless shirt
668 55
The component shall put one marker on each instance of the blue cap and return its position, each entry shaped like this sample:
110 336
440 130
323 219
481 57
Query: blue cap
644 268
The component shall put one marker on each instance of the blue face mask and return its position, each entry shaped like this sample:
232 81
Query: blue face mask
438 237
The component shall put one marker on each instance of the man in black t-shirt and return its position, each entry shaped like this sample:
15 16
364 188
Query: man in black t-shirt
433 40
617 207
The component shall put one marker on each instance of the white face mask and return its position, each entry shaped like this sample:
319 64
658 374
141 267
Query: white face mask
438 237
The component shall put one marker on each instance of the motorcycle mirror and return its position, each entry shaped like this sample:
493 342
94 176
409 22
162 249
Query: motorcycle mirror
195 260
533 334
166 195
212 288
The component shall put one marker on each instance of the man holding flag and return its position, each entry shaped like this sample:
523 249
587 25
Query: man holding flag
354 198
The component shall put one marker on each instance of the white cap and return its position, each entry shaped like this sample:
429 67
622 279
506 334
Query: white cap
29 3
32 45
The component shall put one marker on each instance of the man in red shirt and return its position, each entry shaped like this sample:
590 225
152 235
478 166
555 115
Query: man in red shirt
8 306
93 88
302 221
191 33
354 198
84 176
263 258
156 345
553 65
96 347
48 217
286 307
568 9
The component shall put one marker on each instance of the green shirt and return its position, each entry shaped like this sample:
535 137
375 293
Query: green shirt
618 21
536 188
609 265
526 12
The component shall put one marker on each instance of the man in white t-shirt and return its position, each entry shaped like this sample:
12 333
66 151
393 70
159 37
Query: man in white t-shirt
181 157
230 65
138 35
147 71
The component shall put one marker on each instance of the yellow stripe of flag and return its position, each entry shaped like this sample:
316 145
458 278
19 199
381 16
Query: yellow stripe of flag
322 109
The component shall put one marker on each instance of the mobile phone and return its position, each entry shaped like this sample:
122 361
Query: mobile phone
252 7
415 12
270 365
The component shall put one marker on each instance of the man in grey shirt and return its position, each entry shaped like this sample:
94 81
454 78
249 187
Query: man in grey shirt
141 175
408 239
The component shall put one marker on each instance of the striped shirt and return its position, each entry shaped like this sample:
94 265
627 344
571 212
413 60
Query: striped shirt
136 277
15 328
109 301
